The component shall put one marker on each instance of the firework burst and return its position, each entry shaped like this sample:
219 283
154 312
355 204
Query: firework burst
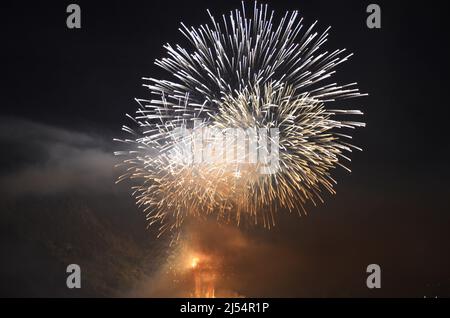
242 72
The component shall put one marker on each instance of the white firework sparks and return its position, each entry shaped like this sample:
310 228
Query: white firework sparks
242 72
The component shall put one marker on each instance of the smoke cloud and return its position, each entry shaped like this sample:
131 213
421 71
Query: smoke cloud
42 159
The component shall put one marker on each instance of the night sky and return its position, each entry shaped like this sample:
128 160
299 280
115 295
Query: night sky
64 96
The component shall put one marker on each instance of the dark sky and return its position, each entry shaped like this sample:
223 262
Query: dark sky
64 96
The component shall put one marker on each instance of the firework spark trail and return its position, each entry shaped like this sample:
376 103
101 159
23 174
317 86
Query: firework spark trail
242 72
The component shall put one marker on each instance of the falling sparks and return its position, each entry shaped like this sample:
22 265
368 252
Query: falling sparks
242 72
